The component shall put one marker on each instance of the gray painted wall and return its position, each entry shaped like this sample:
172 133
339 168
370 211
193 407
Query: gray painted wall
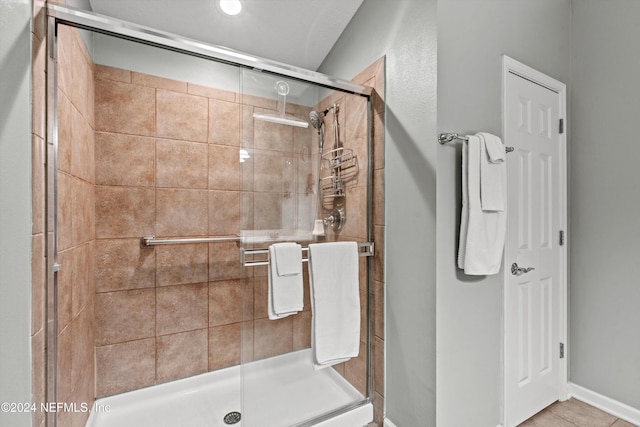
605 199
404 31
472 37
15 208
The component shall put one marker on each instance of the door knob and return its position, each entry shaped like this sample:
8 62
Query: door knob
516 271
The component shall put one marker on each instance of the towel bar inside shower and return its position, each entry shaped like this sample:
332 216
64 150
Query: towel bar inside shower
445 138
364 249
247 256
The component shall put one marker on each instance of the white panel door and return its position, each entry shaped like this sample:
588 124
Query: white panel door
535 207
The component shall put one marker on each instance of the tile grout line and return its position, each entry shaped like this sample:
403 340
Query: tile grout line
614 422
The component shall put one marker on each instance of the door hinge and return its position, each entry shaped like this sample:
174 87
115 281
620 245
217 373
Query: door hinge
561 127
561 238
561 350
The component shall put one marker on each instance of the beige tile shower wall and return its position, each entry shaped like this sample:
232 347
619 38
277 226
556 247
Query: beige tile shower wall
353 117
167 164
276 177
352 122
76 226
273 180
133 159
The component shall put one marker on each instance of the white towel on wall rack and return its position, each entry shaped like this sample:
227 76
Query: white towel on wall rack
285 290
335 302
482 232
492 173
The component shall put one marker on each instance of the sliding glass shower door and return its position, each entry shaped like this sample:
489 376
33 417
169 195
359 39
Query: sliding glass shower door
172 173
288 186
147 146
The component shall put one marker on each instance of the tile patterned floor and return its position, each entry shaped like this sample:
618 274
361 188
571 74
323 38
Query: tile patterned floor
574 413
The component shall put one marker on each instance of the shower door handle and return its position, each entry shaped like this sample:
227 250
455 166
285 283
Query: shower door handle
516 271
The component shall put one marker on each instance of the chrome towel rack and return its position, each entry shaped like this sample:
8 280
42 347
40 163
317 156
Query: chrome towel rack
247 256
364 249
149 241
445 138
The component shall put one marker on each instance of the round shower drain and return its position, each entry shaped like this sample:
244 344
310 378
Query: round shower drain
232 418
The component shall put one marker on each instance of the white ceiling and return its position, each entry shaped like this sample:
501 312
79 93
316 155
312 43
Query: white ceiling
295 32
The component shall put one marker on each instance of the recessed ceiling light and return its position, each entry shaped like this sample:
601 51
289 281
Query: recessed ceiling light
230 7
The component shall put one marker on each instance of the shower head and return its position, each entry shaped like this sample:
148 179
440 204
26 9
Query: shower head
317 119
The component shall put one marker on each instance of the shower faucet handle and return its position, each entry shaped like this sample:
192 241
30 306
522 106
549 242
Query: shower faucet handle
336 219
516 271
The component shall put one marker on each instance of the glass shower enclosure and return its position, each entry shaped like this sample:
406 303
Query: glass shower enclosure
173 166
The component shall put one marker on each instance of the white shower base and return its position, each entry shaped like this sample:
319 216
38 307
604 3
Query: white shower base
281 391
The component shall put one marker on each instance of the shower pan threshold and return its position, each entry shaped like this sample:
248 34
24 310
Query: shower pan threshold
280 391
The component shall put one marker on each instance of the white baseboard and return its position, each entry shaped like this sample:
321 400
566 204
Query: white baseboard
618 409
388 423
605 403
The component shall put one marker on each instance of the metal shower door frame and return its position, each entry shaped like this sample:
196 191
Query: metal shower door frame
139 33
85 20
